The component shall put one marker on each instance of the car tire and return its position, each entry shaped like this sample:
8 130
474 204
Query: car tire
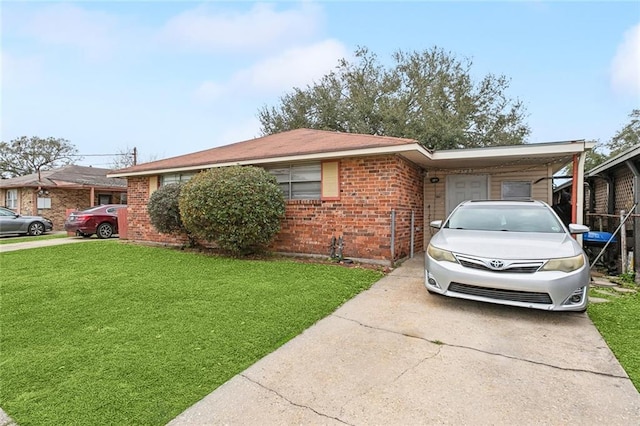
35 229
104 230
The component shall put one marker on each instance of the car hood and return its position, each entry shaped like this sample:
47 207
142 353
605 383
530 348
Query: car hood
506 245
33 217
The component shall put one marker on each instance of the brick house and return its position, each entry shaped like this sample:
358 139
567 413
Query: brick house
377 193
53 192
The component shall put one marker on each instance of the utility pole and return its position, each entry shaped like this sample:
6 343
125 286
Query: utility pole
135 155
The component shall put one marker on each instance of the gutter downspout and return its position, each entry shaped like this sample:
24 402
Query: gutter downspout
611 199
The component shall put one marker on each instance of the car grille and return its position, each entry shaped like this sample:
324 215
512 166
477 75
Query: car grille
528 268
499 294
520 267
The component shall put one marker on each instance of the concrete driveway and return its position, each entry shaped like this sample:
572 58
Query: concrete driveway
397 355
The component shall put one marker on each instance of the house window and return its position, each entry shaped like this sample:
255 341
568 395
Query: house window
44 203
516 190
175 178
11 199
299 181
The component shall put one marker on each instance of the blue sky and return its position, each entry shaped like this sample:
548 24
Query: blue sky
176 77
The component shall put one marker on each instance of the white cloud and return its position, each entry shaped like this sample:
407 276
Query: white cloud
238 131
209 90
258 28
20 71
625 67
93 32
295 67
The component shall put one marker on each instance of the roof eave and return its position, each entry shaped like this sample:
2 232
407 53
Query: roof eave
549 149
397 149
629 154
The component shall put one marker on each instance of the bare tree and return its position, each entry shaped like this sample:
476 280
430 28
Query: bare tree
126 157
26 155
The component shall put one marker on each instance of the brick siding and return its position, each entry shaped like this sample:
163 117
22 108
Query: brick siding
370 188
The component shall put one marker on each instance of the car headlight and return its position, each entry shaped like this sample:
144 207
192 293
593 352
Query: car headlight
565 264
441 255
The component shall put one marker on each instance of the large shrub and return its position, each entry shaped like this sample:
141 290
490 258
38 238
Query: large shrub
164 211
239 208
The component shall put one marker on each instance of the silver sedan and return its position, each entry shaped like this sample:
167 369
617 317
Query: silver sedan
12 223
515 253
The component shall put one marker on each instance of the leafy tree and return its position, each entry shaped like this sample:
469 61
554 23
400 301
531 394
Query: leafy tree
429 96
595 157
23 156
239 208
628 136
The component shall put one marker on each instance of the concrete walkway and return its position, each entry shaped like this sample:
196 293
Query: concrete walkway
42 243
397 355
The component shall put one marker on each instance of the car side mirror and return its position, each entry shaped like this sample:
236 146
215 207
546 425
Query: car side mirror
574 228
436 224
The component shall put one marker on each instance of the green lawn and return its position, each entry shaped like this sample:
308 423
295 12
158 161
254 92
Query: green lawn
618 322
12 240
114 333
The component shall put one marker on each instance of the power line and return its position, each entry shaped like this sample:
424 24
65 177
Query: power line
100 155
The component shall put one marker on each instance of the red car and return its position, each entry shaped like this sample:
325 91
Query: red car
99 220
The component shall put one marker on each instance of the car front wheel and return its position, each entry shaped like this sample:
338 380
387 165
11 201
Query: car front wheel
36 228
105 230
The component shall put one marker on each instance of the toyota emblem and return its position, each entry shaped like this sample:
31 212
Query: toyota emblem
496 264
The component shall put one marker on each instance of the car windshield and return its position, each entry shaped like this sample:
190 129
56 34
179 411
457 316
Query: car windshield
100 207
529 218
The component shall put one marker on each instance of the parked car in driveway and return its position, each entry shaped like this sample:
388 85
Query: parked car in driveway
515 253
99 220
13 223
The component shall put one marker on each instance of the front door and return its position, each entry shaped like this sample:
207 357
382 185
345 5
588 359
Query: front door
104 199
465 187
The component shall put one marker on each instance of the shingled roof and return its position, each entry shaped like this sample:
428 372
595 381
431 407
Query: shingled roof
313 145
291 143
67 176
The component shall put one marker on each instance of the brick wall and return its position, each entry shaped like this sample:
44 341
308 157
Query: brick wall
370 188
61 200
139 227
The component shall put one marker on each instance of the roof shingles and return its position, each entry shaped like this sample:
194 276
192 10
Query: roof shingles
291 143
67 176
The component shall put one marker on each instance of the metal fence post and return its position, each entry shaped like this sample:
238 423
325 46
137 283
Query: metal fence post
393 236
623 242
413 222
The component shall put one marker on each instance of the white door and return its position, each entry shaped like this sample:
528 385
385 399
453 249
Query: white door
465 187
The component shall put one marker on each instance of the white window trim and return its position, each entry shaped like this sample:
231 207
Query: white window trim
11 202
176 178
290 181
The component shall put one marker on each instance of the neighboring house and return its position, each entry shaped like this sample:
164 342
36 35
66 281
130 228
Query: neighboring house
52 192
377 193
613 187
